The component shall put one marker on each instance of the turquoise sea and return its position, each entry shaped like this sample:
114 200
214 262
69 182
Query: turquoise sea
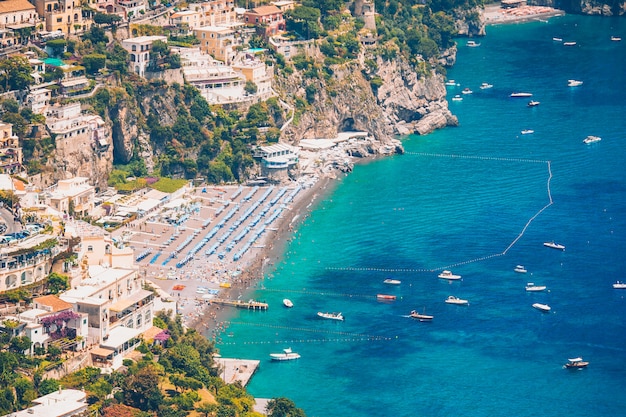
478 199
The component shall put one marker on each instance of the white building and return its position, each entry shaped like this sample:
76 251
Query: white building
75 193
279 156
61 403
139 50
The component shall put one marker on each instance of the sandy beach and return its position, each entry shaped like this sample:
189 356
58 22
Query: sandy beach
494 14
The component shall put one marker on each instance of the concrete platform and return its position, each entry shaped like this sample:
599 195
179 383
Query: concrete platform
237 369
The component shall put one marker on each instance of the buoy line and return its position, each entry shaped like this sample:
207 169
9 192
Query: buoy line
478 157
331 294
294 341
299 329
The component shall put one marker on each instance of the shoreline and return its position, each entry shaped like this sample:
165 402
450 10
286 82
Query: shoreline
215 319
493 14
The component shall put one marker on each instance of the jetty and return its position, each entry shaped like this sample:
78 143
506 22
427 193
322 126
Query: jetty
249 305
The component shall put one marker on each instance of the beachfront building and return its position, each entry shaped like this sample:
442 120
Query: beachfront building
74 196
10 150
276 159
268 20
215 12
139 50
61 403
61 15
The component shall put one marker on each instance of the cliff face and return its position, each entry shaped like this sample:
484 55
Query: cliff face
590 7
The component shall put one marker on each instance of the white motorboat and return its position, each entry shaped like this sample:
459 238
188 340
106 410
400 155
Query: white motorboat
457 98
571 43
533 103
286 355
576 363
448 275
574 83
619 285
616 38
485 86
466 91
557 39
420 316
472 44
456 300
287 303
520 269
518 95
331 316
527 132
554 245
392 281
591 139
531 287
542 307
451 83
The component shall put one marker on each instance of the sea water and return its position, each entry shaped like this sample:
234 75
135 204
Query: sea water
478 200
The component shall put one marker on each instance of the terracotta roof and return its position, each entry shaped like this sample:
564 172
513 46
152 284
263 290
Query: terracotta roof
151 333
8 6
19 185
266 10
53 301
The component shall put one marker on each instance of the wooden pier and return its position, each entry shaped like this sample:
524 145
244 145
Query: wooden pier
249 305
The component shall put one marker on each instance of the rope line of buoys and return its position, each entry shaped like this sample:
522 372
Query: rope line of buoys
356 268
299 329
478 157
294 341
330 294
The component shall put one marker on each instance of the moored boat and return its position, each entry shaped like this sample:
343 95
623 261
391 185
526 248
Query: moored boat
466 90
619 285
520 269
591 139
331 316
485 86
287 303
286 355
557 39
531 287
571 43
576 363
392 281
448 275
457 98
533 103
542 307
574 83
451 83
527 132
420 316
522 94
456 300
554 245
472 44
616 38
385 297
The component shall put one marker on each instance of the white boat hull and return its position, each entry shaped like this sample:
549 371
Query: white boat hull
542 307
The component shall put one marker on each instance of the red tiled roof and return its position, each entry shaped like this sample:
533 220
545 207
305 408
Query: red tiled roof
266 10
53 301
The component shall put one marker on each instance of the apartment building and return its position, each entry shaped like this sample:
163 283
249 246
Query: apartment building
268 20
139 50
62 15
10 150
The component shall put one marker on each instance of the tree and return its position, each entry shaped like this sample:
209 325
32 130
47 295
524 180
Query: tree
206 408
142 389
304 20
24 391
283 407
20 344
57 283
94 62
48 385
250 87
106 19
15 73
57 46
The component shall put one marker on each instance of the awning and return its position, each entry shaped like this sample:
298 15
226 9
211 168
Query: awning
102 352
18 26
118 336
124 303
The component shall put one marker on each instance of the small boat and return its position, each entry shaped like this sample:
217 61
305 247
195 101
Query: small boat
420 316
533 103
472 44
451 83
616 38
542 307
392 281
385 297
286 355
520 269
224 284
591 139
466 91
554 245
331 316
457 98
576 363
448 275
517 95
287 303
557 39
527 132
531 287
455 300
485 86
619 285
569 43
574 83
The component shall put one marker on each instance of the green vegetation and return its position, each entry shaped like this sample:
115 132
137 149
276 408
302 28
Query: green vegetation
168 185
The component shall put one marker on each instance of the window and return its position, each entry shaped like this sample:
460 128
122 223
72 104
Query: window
89 248
59 19
134 47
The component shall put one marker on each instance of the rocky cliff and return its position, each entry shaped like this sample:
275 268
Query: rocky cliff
590 7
